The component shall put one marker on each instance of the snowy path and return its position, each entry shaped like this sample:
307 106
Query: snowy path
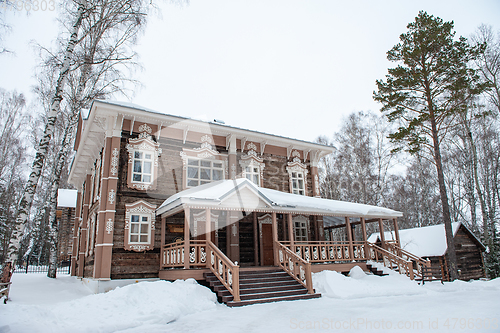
355 304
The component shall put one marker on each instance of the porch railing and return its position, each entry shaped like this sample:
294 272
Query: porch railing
173 254
225 270
228 273
391 260
419 263
327 251
295 266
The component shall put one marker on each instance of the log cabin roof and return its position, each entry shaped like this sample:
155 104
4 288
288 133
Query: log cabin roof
243 195
427 241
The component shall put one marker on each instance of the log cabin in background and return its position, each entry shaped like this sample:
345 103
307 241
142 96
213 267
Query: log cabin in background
430 243
148 183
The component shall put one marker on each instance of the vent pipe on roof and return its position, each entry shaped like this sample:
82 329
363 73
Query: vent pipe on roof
218 121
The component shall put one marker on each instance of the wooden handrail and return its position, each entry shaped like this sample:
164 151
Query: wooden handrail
295 266
225 270
419 262
389 259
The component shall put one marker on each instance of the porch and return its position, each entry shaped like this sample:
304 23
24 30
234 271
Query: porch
252 228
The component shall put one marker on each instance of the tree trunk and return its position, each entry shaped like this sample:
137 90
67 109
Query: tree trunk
452 256
36 168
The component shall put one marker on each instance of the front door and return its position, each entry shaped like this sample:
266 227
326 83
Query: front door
267 245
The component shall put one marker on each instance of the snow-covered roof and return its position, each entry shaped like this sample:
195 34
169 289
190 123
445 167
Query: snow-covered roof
423 242
241 194
66 198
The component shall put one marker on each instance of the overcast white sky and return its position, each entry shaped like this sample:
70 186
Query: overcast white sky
292 68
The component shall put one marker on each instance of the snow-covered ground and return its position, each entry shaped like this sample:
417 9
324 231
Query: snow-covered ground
359 303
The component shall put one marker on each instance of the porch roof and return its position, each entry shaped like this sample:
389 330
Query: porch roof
243 195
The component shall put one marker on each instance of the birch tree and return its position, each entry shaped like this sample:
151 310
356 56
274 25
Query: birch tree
424 93
36 168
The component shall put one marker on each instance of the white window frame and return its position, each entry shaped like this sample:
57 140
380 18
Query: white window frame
298 182
252 173
142 159
140 232
199 166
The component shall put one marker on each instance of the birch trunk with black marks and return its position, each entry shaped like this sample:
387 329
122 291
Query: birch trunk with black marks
25 203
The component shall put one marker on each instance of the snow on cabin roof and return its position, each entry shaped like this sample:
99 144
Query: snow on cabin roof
66 198
242 194
423 242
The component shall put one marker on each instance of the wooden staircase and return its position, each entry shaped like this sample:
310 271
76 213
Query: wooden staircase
261 286
375 270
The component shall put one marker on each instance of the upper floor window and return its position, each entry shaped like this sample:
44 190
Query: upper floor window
201 172
143 155
297 172
253 174
203 165
252 165
298 183
142 167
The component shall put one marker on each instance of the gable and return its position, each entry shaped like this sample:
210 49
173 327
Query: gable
244 198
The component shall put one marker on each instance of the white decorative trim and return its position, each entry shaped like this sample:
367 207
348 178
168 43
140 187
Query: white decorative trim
251 146
316 183
111 196
109 226
114 161
145 128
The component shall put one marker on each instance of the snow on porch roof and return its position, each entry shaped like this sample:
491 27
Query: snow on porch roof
242 194
424 241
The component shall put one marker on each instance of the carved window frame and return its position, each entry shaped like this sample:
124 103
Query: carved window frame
141 208
205 153
296 166
146 145
252 160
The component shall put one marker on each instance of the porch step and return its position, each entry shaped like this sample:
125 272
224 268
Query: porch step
261 286
375 270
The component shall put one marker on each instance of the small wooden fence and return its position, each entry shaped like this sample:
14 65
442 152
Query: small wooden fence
173 254
295 266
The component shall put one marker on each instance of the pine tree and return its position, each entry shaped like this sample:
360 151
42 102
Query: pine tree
430 86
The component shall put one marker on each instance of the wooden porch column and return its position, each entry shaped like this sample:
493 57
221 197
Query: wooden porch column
76 225
234 236
321 231
275 238
365 238
291 235
163 226
381 230
187 218
349 237
396 231
208 225
255 240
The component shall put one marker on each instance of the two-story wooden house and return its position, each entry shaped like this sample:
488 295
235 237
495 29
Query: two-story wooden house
149 182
